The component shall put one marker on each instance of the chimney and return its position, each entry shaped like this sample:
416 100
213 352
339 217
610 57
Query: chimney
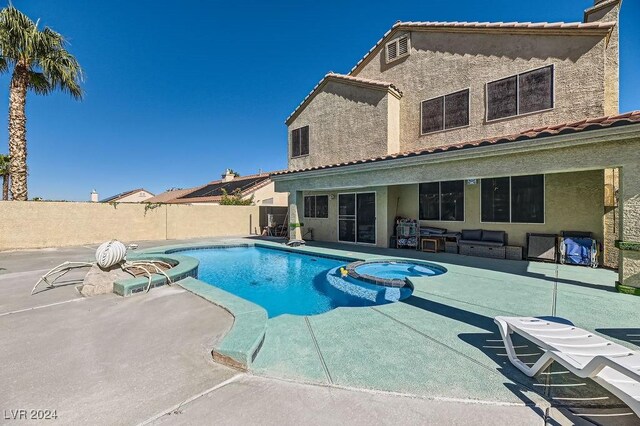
228 175
609 11
94 196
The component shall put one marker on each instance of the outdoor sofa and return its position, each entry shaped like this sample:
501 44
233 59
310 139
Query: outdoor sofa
483 243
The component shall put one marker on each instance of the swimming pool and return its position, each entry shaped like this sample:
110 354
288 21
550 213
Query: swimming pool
284 282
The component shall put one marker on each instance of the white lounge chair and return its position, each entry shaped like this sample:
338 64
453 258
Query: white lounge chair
585 354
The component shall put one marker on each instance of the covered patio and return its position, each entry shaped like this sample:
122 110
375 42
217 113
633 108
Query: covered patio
574 161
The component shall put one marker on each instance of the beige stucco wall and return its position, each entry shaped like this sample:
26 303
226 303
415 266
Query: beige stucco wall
611 217
346 122
610 13
442 63
193 221
267 194
54 224
326 229
573 202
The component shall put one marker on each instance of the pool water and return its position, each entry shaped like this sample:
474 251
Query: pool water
280 281
398 270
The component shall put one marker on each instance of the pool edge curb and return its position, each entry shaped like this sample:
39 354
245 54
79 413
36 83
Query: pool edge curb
239 347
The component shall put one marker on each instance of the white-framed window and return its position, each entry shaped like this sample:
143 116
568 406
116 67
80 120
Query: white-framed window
300 142
398 48
512 199
316 206
519 94
442 201
445 112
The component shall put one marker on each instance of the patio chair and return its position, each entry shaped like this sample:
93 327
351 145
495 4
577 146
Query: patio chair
585 354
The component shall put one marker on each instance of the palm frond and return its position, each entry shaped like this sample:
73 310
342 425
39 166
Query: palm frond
42 52
16 30
4 164
4 65
39 83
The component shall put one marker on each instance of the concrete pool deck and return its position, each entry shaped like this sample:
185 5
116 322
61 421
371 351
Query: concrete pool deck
77 355
442 342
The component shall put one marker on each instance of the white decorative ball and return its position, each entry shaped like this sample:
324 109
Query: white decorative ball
110 253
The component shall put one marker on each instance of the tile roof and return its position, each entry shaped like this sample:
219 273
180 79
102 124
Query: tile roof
169 196
548 27
123 194
502 25
211 192
535 133
344 79
601 5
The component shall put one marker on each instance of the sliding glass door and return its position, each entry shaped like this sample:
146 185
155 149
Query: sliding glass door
357 218
347 218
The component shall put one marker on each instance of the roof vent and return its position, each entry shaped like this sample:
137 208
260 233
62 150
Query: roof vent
398 48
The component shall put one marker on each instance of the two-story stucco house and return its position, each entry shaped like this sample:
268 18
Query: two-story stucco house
498 126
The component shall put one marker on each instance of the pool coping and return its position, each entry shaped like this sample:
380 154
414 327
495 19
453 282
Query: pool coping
242 343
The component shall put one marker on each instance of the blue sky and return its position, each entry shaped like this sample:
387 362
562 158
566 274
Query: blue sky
176 91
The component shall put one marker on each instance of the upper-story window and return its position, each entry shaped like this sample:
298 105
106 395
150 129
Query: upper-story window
520 94
300 142
445 112
398 48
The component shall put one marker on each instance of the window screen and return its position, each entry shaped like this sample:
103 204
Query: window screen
316 206
309 206
495 199
304 140
445 112
456 109
322 206
527 199
452 200
502 98
295 143
430 201
433 115
536 90
442 201
521 94
300 141
516 199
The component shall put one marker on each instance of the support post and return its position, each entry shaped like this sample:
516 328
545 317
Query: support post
295 226
629 242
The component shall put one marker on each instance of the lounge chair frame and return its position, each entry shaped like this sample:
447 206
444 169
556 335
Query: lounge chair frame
613 366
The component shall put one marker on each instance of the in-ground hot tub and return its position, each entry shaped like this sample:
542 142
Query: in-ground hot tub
392 273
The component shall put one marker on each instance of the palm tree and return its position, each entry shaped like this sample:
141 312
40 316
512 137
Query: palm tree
4 173
39 62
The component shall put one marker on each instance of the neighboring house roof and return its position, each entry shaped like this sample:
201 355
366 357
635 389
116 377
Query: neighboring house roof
347 79
546 28
124 194
535 133
169 195
212 192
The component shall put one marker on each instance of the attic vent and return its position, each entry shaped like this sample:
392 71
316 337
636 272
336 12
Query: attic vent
403 46
398 48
